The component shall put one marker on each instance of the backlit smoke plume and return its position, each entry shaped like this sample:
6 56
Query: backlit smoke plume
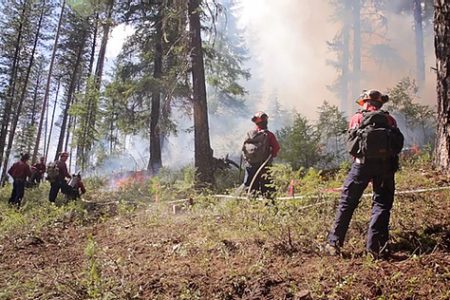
287 40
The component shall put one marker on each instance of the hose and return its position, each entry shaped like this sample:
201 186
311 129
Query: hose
257 173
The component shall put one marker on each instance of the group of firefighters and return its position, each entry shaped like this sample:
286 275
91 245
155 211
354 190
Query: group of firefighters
24 175
260 147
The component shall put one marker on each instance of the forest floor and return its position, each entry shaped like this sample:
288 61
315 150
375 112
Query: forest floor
217 249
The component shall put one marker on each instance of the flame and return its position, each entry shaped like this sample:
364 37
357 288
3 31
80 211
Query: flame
127 179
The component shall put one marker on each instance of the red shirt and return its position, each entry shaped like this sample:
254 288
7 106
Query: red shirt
62 167
273 142
40 167
80 186
20 170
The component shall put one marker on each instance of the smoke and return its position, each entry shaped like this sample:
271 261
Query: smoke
288 51
287 40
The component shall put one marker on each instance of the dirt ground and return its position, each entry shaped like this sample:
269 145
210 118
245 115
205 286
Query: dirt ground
129 257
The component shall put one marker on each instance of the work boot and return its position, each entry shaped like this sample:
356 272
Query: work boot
331 249
384 253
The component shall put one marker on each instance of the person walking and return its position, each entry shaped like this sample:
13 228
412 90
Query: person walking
19 171
57 173
374 142
259 149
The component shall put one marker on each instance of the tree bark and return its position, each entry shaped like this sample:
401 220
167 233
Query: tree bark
442 48
52 120
47 87
155 161
356 85
420 52
33 110
203 151
346 57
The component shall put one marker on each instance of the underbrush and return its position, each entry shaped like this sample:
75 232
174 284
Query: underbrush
225 248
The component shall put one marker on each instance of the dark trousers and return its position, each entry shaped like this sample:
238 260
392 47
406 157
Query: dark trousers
17 192
261 182
382 177
55 187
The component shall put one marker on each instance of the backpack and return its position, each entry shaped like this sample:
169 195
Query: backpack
52 171
256 147
375 138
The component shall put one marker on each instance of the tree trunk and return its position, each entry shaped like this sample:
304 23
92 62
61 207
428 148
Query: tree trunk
70 92
442 48
6 116
420 52
22 97
155 161
346 58
102 52
52 120
203 151
356 86
33 110
47 87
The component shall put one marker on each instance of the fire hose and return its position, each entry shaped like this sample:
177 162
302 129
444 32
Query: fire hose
257 173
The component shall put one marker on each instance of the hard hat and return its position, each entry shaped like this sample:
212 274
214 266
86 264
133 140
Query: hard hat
259 117
372 95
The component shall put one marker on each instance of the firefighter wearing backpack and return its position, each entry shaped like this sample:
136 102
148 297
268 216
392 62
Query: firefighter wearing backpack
57 174
375 142
19 171
260 147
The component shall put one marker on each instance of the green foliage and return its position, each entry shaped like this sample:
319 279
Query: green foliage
225 53
85 110
403 101
35 209
93 271
301 144
332 125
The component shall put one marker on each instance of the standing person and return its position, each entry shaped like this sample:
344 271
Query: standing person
375 142
19 171
38 171
57 174
259 149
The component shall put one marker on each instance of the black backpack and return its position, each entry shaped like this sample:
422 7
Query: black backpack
256 148
375 138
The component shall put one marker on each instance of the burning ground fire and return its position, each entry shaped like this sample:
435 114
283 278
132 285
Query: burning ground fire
129 178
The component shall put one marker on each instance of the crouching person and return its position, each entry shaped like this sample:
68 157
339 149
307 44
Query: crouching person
76 188
19 171
57 174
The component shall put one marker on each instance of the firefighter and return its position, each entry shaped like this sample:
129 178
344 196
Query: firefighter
259 149
57 174
77 187
38 171
373 163
19 171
